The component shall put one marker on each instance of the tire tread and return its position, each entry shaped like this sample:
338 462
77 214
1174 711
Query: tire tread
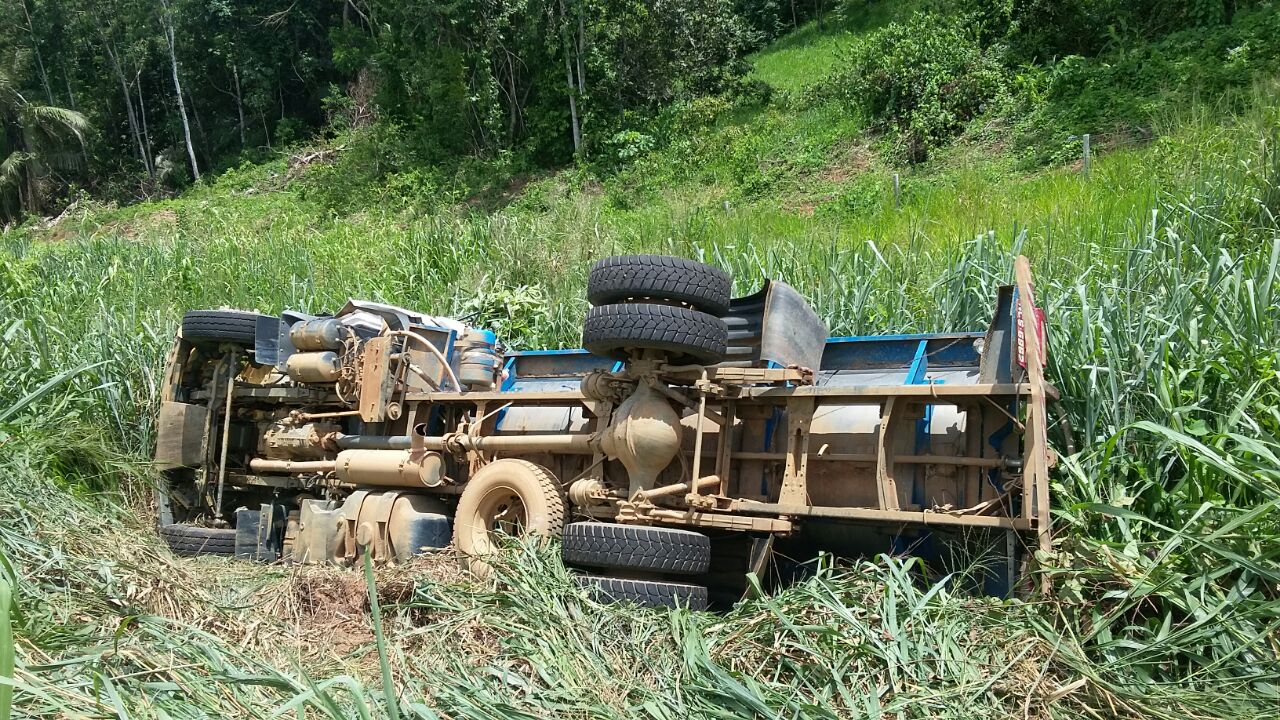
624 277
632 547
648 593
193 540
234 326
612 330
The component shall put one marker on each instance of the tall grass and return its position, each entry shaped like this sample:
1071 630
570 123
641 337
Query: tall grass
1159 276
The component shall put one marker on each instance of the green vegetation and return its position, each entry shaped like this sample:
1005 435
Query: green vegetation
1158 272
33 139
179 89
448 99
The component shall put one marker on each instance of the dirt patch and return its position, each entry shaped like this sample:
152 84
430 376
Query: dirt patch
161 221
325 609
806 209
496 197
332 613
849 161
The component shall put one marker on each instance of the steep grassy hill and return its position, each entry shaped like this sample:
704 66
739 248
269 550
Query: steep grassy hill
1158 270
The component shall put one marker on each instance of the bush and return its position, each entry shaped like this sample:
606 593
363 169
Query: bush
923 78
864 196
377 166
1119 96
1041 30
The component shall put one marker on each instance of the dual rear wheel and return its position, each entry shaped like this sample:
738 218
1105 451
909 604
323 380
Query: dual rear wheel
671 307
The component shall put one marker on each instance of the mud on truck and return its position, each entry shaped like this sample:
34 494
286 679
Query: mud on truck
694 439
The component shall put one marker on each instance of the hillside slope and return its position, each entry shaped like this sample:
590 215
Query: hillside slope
1158 271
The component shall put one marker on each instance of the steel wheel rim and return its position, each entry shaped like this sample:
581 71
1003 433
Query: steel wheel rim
500 512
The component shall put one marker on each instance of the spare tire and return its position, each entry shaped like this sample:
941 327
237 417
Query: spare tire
644 592
192 540
632 547
625 278
685 335
231 326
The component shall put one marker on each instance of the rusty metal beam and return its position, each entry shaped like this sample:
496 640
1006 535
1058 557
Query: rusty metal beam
724 448
878 392
522 397
879 516
870 458
690 518
886 477
795 478
1035 483
869 393
568 443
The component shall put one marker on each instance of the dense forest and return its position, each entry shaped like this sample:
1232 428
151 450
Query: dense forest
127 99
123 98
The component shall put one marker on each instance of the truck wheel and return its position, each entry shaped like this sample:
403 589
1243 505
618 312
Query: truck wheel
508 496
192 540
630 547
685 335
231 326
624 278
644 592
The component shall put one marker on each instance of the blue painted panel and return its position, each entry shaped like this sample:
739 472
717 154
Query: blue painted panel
865 352
898 351
554 363
916 375
537 353
508 374
912 336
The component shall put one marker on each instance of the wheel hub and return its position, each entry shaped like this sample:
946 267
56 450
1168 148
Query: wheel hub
501 512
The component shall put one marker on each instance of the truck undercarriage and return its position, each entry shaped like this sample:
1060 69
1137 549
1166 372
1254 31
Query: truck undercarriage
695 438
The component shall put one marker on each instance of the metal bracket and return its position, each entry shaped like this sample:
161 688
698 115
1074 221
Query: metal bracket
795 489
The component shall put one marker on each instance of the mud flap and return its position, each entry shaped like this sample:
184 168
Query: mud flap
260 533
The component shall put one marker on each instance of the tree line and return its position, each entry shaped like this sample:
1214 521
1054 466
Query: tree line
124 98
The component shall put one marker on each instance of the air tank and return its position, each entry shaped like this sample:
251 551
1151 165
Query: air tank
317 334
313 367
479 361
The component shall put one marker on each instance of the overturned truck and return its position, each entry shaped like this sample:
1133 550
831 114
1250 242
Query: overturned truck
695 439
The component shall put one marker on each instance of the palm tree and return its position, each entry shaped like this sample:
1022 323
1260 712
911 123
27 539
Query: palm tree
34 140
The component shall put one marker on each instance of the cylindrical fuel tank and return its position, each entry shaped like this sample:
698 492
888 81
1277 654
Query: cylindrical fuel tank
317 334
396 468
411 524
313 367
